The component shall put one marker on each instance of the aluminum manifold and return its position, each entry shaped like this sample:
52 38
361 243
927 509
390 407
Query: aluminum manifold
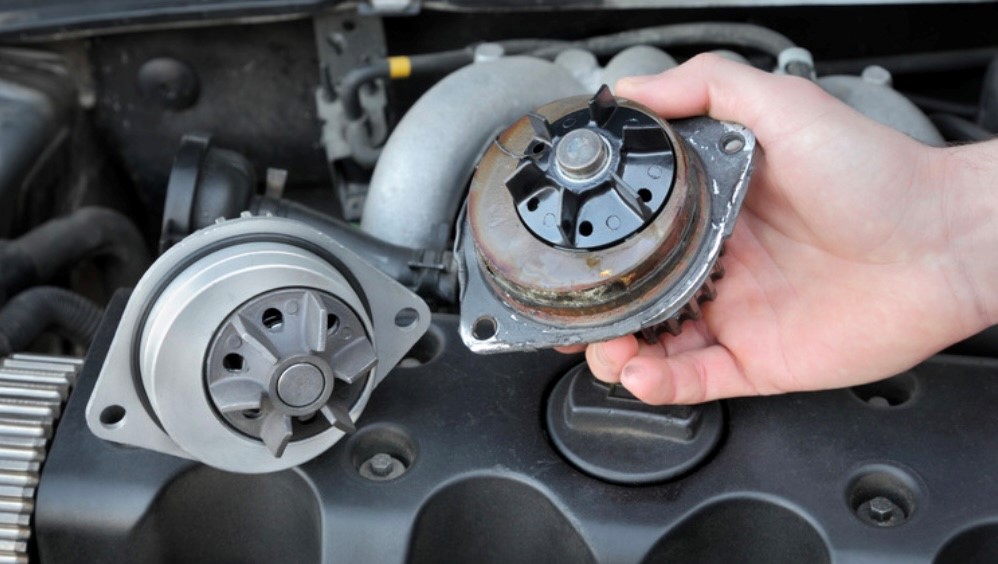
592 218
252 345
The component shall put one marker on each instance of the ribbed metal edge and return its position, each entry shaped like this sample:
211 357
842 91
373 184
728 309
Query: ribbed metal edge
691 310
33 389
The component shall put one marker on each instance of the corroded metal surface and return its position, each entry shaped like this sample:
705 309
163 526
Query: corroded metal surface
522 292
549 283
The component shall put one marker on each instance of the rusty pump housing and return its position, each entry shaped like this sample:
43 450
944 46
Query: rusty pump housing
592 218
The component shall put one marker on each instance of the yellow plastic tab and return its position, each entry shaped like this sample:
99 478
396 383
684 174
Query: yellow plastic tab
399 67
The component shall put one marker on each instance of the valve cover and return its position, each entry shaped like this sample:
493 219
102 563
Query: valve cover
592 218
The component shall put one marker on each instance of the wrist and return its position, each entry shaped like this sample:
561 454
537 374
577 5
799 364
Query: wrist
968 180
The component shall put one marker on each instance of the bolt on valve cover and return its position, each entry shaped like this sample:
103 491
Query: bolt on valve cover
592 218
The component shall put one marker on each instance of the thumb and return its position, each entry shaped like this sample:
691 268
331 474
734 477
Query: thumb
692 377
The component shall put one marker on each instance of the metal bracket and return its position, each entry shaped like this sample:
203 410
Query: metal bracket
344 41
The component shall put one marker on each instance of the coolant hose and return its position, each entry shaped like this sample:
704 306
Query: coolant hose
33 311
420 179
48 250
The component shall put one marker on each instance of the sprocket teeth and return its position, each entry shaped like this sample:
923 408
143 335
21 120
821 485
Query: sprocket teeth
690 311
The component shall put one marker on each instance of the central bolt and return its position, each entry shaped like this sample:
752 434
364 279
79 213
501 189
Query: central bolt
300 384
581 153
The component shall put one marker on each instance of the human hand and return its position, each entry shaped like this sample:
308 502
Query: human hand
852 258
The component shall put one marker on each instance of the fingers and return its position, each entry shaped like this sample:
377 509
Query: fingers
698 87
606 360
691 377
570 349
726 90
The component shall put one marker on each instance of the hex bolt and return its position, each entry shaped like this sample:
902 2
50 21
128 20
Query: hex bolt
581 153
381 464
882 509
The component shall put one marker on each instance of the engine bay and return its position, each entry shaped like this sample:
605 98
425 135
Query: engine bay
279 283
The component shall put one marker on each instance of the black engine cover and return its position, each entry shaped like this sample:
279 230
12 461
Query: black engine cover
485 484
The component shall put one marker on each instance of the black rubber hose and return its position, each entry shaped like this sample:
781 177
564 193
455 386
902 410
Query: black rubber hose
708 33
445 61
929 104
936 61
431 63
521 46
956 128
988 106
711 33
33 311
53 247
428 273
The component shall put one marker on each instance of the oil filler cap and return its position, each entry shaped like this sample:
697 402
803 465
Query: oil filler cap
609 434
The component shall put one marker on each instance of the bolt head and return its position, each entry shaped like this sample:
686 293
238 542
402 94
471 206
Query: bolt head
881 509
382 464
581 154
300 384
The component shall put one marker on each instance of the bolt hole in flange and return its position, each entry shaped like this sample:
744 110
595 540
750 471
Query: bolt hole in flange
882 495
382 452
112 416
893 392
732 143
484 328
406 318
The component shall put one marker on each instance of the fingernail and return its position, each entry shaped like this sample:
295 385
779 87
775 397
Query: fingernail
631 374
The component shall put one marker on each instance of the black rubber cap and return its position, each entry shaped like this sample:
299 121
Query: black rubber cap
609 434
206 183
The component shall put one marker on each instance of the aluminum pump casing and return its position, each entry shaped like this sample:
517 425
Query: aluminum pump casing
152 392
522 290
